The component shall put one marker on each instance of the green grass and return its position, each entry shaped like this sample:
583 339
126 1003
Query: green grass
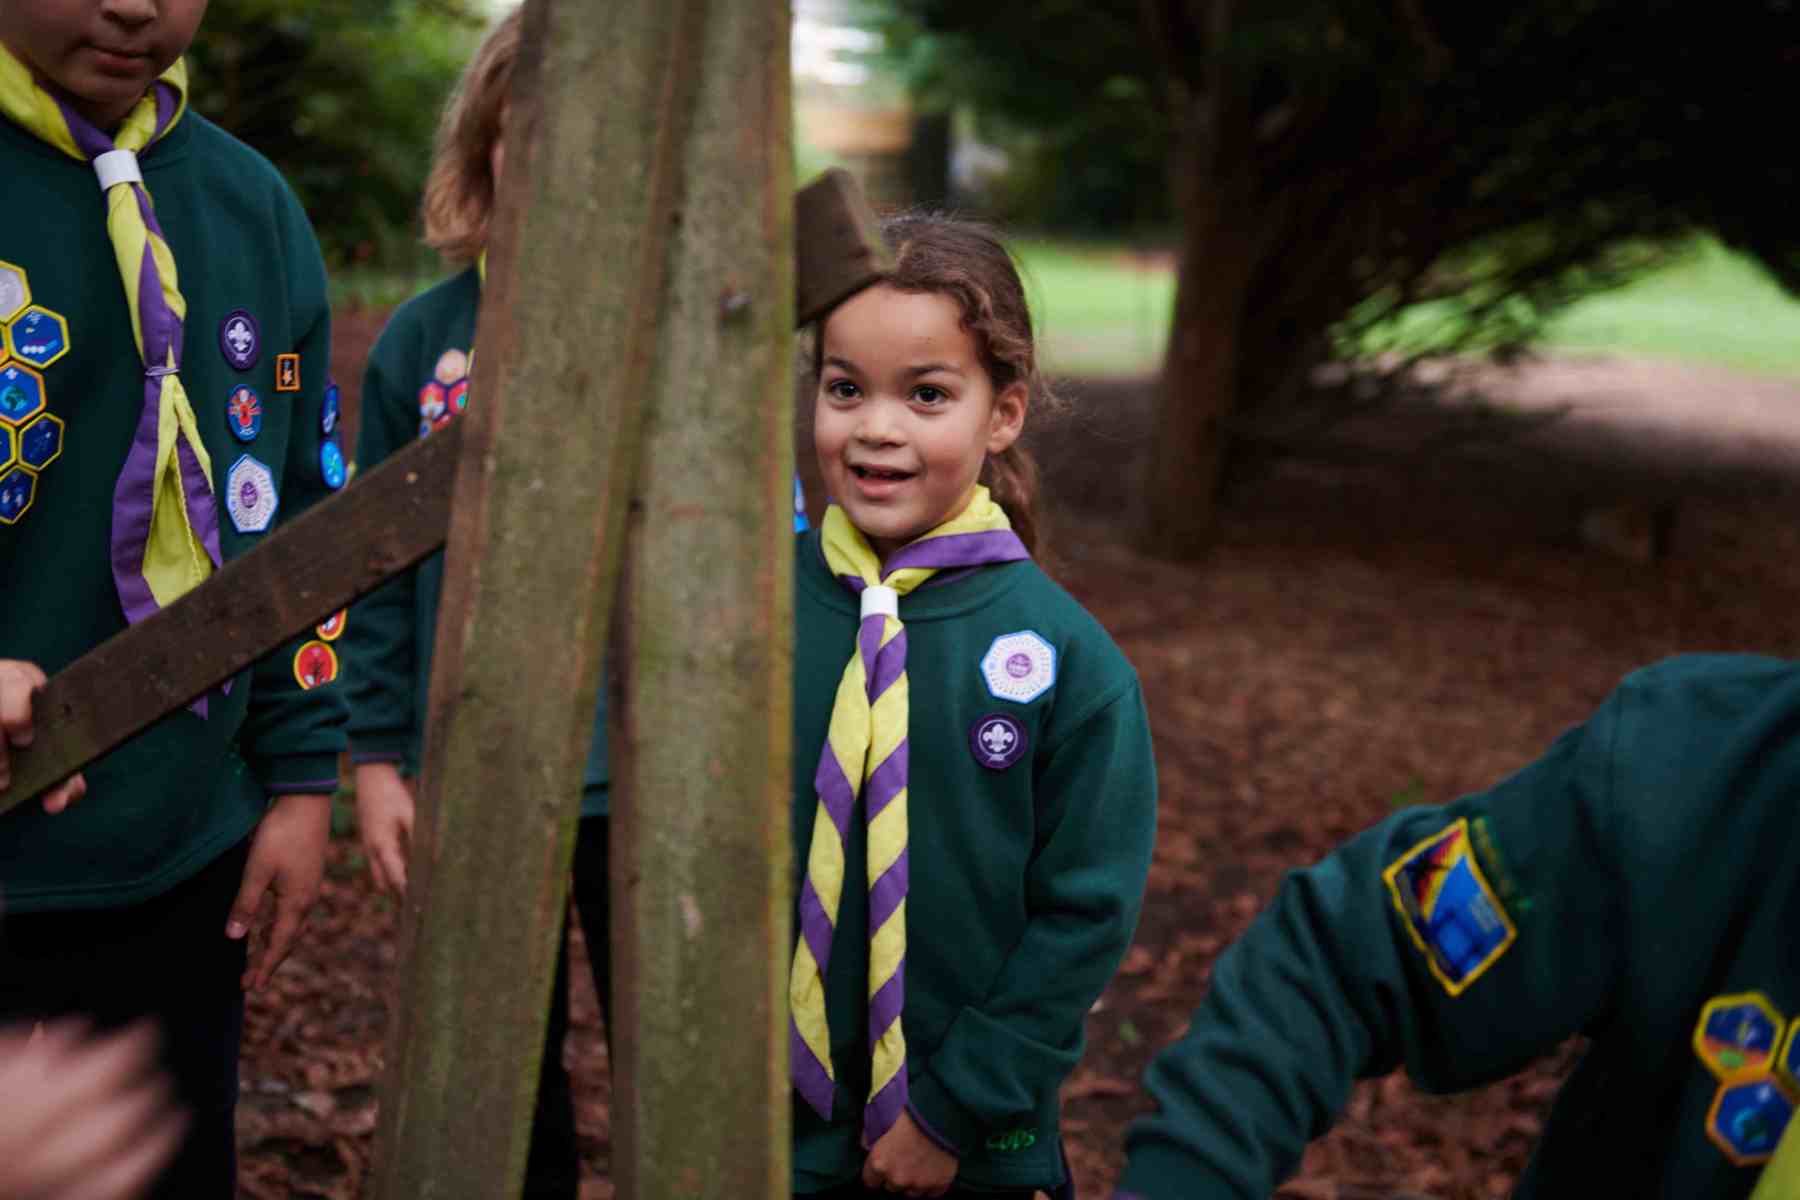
1711 306
1100 309
1104 309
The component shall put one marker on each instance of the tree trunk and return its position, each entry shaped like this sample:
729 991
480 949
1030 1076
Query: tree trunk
1198 391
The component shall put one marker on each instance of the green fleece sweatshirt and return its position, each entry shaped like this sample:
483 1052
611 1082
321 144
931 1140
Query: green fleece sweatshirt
1636 885
1032 810
172 799
416 381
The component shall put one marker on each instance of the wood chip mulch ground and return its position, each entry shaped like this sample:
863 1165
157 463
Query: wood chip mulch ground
1375 628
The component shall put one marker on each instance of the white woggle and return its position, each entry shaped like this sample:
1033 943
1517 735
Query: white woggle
880 600
116 167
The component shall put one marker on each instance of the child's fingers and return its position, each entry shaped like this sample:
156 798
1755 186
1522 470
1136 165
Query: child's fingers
128 1174
89 1071
257 874
65 793
19 681
290 914
97 1133
393 866
377 875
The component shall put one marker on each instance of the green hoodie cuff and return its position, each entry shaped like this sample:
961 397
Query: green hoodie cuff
1165 1173
941 1118
294 774
379 745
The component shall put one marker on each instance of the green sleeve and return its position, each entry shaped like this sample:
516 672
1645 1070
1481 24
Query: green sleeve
1331 982
1096 794
380 640
292 735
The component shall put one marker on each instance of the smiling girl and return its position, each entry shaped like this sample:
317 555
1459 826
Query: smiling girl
975 790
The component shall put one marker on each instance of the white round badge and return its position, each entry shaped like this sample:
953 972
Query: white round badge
1019 667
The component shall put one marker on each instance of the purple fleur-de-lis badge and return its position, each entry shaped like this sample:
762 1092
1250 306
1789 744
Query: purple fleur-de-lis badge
240 339
998 741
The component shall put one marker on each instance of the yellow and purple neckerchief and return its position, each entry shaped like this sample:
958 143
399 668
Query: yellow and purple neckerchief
1780 1180
866 753
165 531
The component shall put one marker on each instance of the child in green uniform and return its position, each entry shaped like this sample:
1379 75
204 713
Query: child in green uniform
1635 884
162 372
416 382
975 795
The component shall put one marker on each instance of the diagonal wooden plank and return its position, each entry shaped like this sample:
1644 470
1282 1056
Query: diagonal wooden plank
319 562
348 544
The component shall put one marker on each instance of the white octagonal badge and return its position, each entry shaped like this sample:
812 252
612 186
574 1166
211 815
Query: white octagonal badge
14 292
250 495
1019 667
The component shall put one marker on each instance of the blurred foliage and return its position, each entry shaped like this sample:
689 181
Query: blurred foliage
343 96
1498 132
1335 164
1069 94
1371 155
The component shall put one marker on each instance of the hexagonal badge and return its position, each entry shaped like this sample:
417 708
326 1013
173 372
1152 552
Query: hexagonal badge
1737 1034
21 393
250 497
1019 666
9 447
18 487
15 293
1787 1063
1747 1119
41 442
38 336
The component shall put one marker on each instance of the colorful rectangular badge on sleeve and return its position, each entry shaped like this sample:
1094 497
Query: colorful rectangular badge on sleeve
1449 908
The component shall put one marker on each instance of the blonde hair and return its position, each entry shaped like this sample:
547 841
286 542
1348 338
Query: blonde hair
459 192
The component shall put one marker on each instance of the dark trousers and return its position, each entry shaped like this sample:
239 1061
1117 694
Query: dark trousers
553 1164
167 959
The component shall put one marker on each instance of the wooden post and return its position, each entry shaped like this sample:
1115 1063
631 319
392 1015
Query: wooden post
642 255
700 827
574 297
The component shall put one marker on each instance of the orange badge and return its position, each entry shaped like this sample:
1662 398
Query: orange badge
333 625
287 372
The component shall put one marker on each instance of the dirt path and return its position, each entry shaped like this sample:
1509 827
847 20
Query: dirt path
1394 623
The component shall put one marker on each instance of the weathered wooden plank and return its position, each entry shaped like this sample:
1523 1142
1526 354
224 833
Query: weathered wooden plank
699 828
575 292
381 524
392 517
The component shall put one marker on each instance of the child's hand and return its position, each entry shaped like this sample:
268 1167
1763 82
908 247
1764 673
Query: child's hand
384 816
19 682
287 857
905 1160
86 1118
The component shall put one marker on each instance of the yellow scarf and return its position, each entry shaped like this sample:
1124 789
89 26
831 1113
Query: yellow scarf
1780 1180
865 755
165 537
